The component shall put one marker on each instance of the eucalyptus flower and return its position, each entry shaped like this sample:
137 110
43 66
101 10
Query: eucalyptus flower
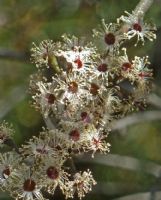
137 27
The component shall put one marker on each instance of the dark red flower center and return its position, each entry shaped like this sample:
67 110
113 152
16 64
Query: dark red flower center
50 98
94 89
109 38
79 63
102 67
52 172
74 135
137 27
73 87
126 66
6 172
29 185
84 115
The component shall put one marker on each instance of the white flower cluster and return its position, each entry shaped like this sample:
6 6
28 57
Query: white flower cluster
79 90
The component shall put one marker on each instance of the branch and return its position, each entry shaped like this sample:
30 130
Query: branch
141 196
125 162
121 189
154 100
115 188
136 118
11 54
10 101
143 7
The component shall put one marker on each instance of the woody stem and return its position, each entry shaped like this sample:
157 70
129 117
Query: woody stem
143 7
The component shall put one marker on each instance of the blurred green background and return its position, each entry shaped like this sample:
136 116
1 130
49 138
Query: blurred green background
134 165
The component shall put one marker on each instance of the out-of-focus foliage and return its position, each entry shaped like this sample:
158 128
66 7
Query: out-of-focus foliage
25 21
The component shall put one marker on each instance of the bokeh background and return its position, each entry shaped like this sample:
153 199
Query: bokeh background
132 171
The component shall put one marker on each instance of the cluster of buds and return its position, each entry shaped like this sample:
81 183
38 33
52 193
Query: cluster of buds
80 90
